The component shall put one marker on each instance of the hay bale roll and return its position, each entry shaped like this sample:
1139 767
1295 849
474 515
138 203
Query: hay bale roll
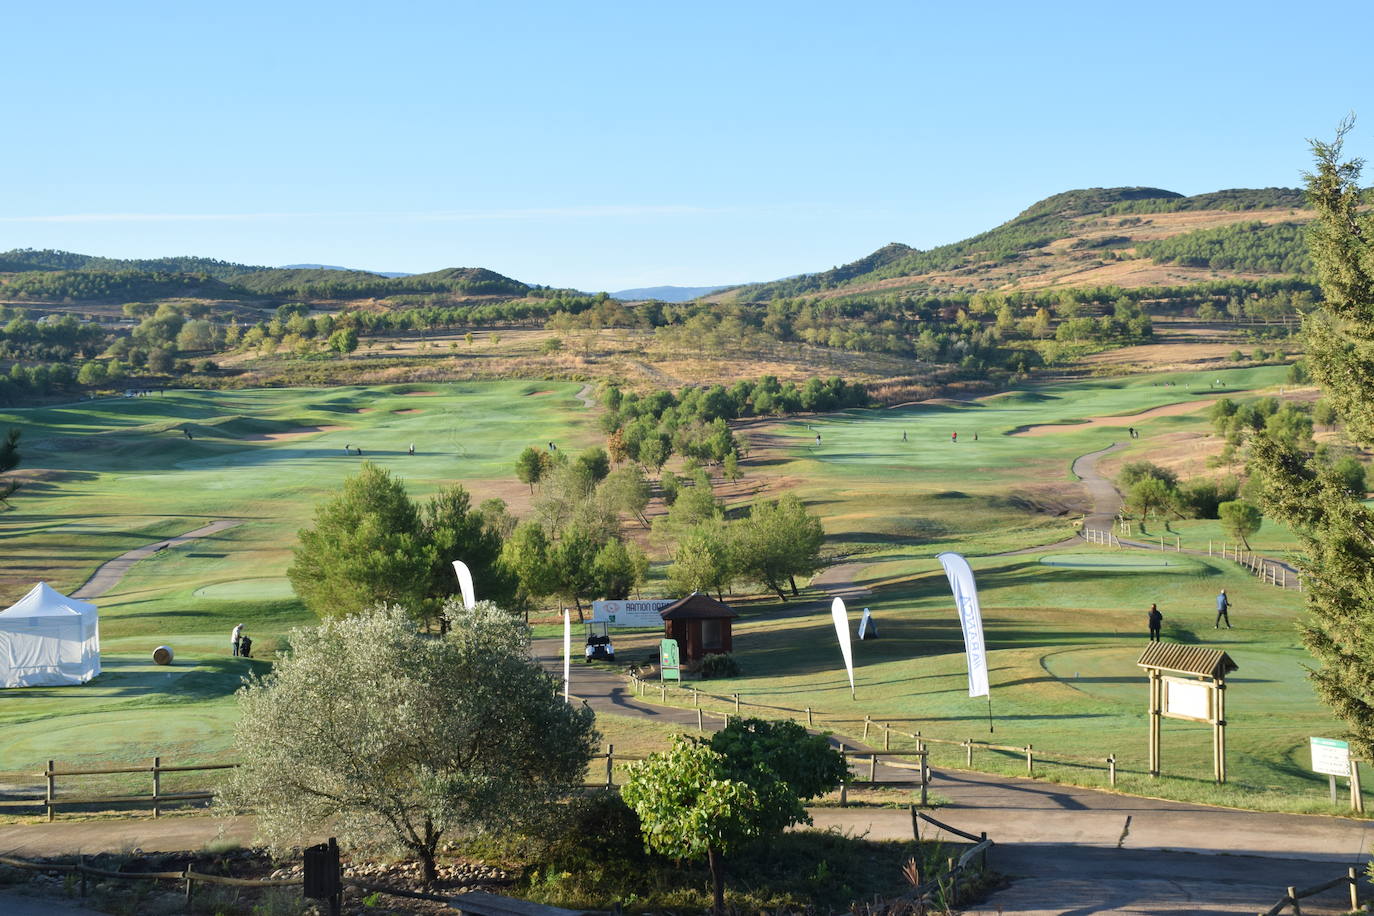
163 655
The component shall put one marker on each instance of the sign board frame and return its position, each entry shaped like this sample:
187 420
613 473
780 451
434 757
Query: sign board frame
1182 694
669 664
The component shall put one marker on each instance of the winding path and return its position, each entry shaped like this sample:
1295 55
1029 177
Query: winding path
109 574
1076 850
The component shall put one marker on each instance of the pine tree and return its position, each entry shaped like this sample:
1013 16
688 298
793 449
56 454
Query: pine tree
1337 530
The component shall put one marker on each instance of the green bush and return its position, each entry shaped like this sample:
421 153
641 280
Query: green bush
719 666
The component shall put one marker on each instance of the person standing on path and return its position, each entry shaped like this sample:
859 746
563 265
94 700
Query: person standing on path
1223 608
1156 620
234 639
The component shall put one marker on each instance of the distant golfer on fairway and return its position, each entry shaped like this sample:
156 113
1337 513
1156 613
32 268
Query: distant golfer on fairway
1223 607
1156 620
235 639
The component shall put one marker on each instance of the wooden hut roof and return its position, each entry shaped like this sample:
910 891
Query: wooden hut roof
1187 660
696 606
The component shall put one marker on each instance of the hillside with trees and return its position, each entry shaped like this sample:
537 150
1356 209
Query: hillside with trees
1068 233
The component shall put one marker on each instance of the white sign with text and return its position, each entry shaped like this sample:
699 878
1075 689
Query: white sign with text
630 613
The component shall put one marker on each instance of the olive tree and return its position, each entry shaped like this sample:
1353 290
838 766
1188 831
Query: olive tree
394 739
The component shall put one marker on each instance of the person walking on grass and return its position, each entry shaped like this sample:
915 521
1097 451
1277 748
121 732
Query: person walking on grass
236 638
1223 611
1156 621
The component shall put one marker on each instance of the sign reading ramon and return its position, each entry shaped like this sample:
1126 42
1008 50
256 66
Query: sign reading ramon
1188 683
629 613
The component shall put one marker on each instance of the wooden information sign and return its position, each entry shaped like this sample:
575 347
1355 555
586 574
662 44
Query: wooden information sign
1188 683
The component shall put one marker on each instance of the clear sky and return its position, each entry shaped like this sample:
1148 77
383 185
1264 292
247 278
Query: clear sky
609 145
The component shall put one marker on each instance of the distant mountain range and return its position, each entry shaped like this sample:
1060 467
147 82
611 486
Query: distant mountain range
669 293
379 273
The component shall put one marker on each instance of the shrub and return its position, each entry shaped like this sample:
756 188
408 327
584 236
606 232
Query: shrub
723 665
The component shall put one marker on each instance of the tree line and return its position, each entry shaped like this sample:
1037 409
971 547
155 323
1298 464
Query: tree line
1278 248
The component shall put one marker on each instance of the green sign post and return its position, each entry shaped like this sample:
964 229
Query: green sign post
668 666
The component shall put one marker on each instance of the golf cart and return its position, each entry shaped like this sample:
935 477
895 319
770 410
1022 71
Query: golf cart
599 645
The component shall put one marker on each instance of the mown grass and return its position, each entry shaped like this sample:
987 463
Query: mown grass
111 475
1063 639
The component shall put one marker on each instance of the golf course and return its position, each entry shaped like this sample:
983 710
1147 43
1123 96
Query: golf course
1065 622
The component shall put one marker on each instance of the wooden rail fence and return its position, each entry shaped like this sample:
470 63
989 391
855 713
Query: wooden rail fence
810 717
1292 898
955 867
50 800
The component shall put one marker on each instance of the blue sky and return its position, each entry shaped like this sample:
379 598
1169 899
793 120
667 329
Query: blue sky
604 146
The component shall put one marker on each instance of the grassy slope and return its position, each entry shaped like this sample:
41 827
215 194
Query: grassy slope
1064 638
126 477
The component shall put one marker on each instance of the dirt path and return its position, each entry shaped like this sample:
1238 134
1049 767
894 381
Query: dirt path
109 574
584 395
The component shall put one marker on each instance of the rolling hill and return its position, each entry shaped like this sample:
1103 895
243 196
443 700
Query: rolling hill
46 275
1122 237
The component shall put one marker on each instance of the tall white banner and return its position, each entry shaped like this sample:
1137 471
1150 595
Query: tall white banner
971 617
841 618
465 583
567 656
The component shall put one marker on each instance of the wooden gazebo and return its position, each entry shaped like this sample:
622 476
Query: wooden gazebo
700 624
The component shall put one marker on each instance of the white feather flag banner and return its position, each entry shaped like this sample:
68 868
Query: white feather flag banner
971 617
465 583
837 611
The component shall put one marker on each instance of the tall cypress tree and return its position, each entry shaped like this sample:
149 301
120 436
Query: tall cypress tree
1337 530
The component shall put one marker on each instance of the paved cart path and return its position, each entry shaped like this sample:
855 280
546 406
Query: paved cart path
109 574
1077 850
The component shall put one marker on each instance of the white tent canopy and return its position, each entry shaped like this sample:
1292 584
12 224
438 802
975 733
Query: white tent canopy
48 639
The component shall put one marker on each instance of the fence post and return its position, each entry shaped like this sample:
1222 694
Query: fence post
953 882
925 778
52 788
1356 796
610 762
1178 545
808 717
916 826
663 693
157 786
887 736
1111 770
873 768
189 887
696 696
1030 764
698 718
865 727
1293 896
736 696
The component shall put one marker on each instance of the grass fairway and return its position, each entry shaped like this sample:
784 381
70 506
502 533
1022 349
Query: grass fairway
108 476
1064 627
896 502
1063 641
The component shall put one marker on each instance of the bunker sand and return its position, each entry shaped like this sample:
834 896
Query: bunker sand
1168 410
297 433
